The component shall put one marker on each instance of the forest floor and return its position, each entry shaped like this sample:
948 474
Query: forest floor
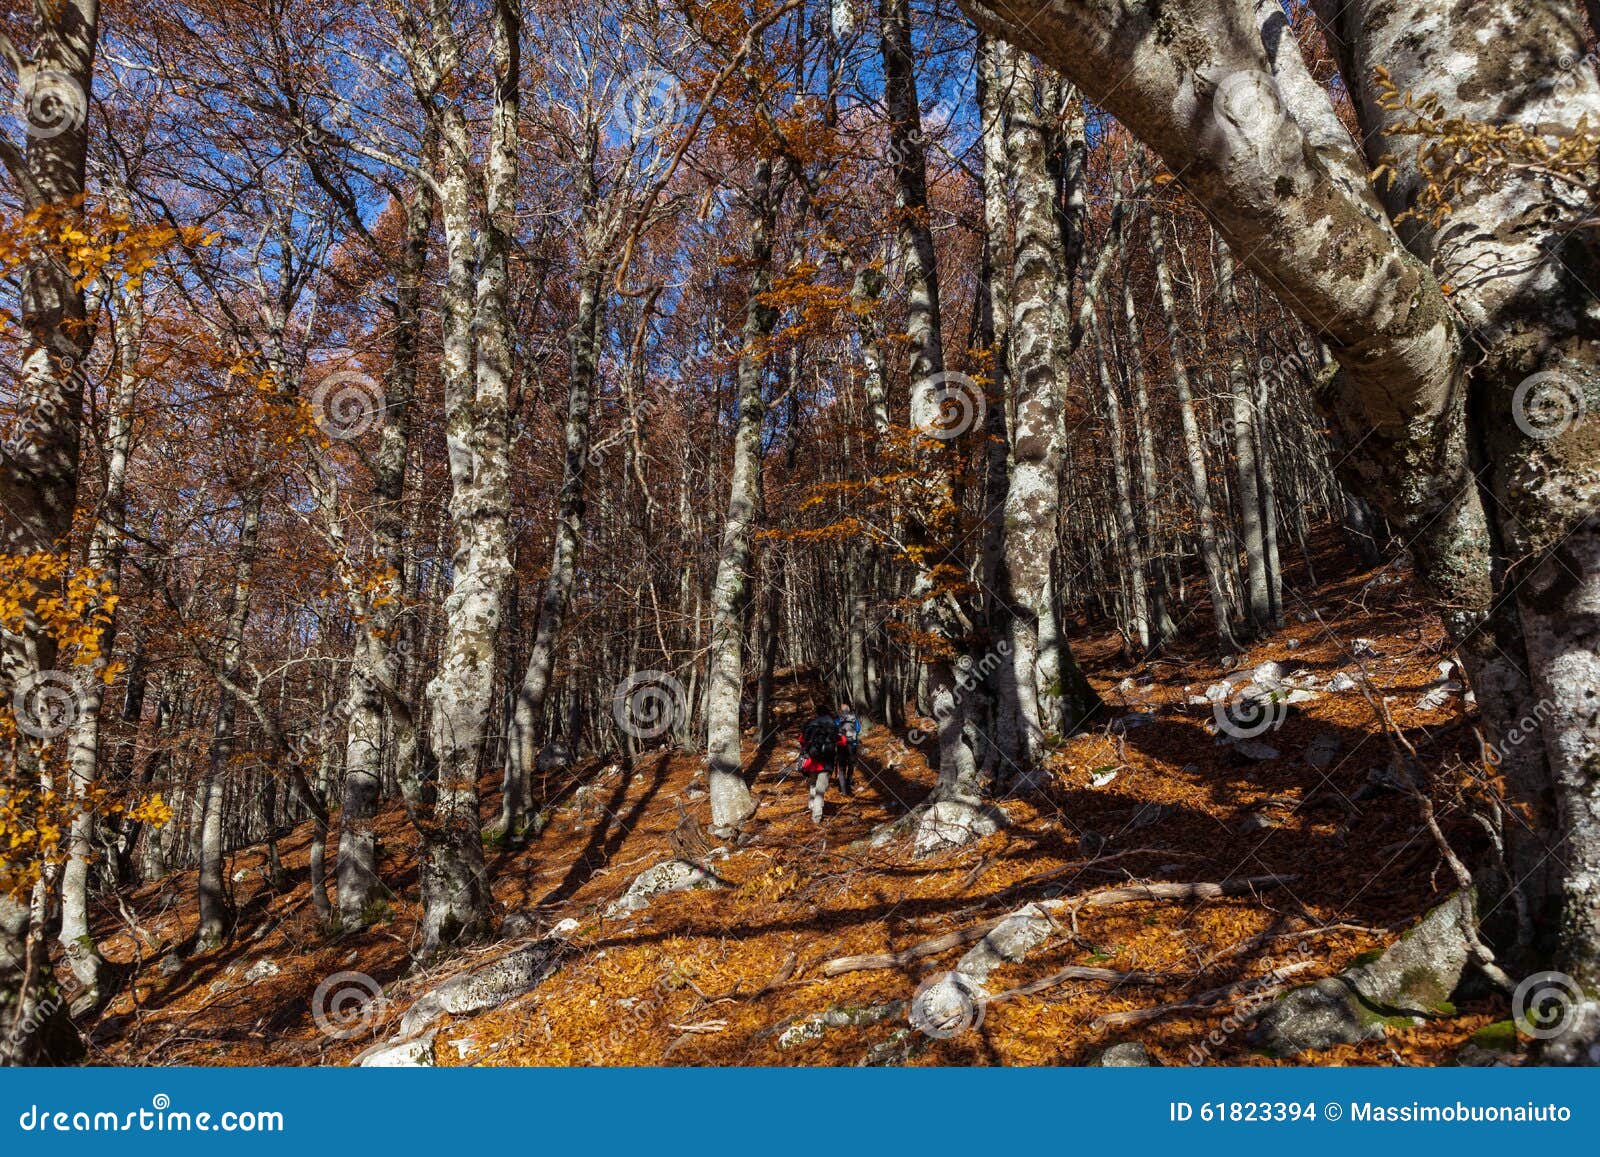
725 976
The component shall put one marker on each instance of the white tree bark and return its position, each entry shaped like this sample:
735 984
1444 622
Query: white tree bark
731 801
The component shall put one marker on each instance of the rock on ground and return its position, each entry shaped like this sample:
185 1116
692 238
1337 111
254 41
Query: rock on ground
670 876
1126 1055
1414 977
951 823
1008 942
415 1053
487 987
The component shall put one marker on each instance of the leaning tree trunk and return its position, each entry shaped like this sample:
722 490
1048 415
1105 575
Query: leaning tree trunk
1536 321
731 801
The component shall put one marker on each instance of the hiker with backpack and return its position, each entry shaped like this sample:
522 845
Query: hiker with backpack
848 726
819 754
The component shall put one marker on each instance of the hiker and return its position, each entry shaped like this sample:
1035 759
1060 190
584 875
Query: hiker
819 752
848 726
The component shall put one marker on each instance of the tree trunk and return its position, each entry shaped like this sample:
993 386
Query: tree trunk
731 801
1194 447
583 342
476 367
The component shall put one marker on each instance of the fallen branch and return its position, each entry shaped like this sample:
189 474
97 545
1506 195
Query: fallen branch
1261 986
1122 894
879 960
1082 972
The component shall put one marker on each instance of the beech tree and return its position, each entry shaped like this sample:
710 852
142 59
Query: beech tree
1221 93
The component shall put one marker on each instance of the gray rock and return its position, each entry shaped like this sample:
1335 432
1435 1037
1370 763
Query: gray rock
1126 1055
670 876
171 964
952 823
1255 750
261 970
1217 692
801 1031
1268 674
1438 694
413 1053
487 987
1414 977
1417 973
554 756
948 1006
1132 720
861 1015
1342 682
1255 822
1007 942
1149 814
1474 1056
1314 1016
901 1046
